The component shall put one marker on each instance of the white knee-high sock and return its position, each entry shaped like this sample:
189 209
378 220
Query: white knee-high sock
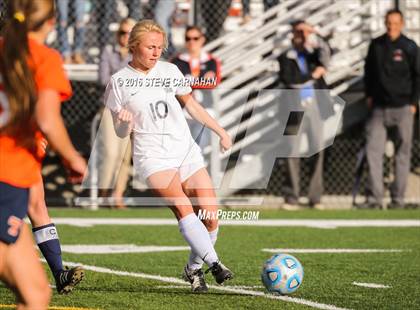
195 262
196 235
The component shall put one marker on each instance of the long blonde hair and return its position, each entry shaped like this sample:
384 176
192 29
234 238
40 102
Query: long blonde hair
143 27
23 16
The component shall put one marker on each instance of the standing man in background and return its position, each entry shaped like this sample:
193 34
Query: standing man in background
392 86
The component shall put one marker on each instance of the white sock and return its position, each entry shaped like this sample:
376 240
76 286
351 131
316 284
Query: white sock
195 262
196 235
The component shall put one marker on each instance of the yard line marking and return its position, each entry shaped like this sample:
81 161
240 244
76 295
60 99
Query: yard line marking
228 286
119 248
335 250
173 280
371 285
245 286
325 224
174 286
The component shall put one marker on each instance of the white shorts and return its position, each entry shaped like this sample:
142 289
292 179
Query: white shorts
186 166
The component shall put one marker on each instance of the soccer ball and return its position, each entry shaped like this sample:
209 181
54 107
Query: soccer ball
282 274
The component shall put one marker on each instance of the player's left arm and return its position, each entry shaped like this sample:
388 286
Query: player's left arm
200 114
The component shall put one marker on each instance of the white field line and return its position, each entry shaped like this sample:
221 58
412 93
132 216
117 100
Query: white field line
313 251
244 286
132 248
371 285
219 288
119 248
87 222
186 285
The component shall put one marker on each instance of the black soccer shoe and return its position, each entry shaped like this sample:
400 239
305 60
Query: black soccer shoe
220 272
68 279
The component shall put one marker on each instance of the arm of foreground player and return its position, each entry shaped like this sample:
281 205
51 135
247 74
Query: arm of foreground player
200 114
48 117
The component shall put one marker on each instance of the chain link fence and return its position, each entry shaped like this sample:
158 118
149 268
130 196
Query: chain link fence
100 21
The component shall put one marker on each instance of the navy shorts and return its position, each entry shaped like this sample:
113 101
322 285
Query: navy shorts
13 208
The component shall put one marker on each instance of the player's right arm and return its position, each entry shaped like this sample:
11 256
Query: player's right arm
123 122
114 101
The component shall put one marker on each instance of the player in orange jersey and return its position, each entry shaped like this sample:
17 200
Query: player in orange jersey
31 89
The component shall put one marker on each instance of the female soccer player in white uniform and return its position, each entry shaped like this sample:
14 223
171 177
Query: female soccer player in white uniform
145 99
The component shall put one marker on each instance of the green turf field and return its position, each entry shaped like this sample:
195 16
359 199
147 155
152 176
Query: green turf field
131 280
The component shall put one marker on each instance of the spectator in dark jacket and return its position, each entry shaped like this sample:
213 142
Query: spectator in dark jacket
302 68
392 84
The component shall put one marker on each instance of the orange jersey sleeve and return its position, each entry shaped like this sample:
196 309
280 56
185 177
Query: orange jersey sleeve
48 70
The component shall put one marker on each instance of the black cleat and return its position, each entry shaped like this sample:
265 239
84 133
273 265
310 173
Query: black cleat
68 279
220 272
196 278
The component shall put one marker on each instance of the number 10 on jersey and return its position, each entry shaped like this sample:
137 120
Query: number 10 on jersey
159 110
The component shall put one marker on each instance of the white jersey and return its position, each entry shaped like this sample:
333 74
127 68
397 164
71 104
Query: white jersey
160 128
